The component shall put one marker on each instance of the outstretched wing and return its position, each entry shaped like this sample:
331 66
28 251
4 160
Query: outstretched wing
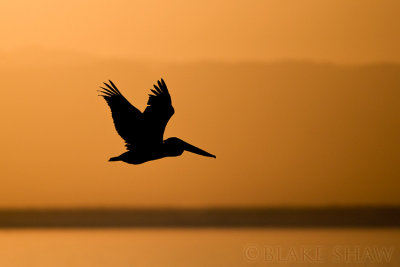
127 118
158 112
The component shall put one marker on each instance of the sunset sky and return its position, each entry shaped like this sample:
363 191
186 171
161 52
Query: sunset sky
178 30
299 101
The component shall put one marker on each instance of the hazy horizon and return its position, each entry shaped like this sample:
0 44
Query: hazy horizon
50 56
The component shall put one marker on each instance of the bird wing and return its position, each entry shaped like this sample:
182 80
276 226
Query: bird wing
158 112
127 119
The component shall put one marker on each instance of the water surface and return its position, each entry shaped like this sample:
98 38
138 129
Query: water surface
199 247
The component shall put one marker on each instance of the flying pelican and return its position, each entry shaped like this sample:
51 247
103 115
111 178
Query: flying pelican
143 132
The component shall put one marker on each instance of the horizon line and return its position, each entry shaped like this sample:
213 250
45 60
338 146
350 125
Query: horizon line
247 217
193 60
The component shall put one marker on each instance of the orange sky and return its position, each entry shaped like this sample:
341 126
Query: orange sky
290 132
334 30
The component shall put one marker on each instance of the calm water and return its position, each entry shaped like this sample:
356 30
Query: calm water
200 247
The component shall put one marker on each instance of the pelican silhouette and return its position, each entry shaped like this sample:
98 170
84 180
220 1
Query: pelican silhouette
143 132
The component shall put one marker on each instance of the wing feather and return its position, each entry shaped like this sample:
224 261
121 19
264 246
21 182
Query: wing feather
127 119
158 112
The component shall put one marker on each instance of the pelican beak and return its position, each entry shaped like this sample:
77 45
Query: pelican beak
196 150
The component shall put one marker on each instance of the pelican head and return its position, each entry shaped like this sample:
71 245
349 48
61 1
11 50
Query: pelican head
175 147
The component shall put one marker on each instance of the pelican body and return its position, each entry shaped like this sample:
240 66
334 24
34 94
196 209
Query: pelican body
143 132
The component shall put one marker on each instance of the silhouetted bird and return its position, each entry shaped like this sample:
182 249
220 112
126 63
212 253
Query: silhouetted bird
143 132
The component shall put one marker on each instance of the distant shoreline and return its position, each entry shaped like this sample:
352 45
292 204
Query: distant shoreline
278 217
